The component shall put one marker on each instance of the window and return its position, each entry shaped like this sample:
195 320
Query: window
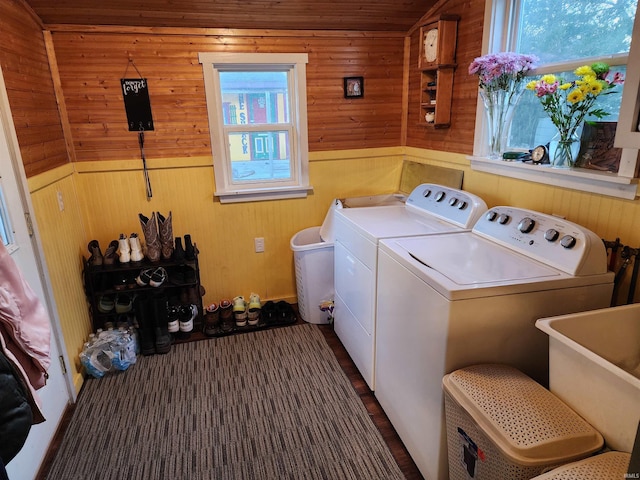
564 34
5 226
258 124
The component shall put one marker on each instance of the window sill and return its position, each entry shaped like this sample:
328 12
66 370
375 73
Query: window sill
592 181
237 196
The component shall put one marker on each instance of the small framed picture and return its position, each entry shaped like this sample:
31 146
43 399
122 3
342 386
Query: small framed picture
353 87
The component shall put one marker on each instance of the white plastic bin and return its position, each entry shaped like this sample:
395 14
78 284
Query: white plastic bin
610 465
314 273
502 424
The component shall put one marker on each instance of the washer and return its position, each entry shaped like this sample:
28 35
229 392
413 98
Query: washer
450 301
429 209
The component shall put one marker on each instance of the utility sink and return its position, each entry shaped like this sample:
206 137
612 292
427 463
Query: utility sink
594 366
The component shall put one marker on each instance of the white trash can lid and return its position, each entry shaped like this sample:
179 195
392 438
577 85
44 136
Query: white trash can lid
327 233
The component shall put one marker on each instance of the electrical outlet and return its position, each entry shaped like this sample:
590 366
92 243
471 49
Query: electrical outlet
259 244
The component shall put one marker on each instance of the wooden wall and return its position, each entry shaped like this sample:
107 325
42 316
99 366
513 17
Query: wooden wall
23 57
459 137
91 64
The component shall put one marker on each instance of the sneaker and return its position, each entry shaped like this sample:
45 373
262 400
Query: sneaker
187 315
240 311
253 316
173 313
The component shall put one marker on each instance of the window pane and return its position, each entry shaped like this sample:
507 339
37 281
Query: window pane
4 220
531 125
563 30
254 98
259 156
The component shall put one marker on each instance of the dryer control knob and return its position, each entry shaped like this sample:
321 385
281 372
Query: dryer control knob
568 241
453 202
462 205
426 193
551 235
491 215
526 225
503 218
440 196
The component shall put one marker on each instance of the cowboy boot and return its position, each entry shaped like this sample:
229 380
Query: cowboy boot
151 238
165 230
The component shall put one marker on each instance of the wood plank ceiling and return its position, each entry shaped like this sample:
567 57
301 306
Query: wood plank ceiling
358 15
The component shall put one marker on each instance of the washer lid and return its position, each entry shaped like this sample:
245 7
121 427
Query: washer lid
467 259
327 231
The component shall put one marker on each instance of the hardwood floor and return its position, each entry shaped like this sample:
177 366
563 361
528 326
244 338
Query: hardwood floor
399 452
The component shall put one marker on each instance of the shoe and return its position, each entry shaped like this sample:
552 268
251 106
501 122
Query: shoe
240 311
165 231
186 317
111 253
226 316
211 320
146 325
124 249
144 278
158 277
269 312
190 249
173 313
96 257
106 304
162 339
253 315
284 313
136 248
123 303
151 237
120 281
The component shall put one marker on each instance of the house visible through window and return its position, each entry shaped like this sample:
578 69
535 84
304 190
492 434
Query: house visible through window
257 118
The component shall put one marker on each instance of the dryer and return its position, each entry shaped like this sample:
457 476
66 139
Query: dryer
429 209
449 301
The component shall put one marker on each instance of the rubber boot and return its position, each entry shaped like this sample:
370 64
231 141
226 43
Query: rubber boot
179 255
189 248
124 249
144 316
151 237
165 230
161 320
136 248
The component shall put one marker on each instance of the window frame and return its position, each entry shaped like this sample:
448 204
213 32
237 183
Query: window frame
499 35
295 66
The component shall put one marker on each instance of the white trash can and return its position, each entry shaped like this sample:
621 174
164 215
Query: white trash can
314 273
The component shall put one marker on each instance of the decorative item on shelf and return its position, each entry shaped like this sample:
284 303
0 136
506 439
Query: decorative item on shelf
430 117
500 83
568 103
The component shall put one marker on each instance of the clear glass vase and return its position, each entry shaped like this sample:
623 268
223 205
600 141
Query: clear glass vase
499 107
564 149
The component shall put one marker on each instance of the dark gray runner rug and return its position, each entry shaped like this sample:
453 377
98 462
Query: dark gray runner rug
272 404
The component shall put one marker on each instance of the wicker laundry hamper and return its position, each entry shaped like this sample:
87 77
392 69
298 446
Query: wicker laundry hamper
609 465
501 424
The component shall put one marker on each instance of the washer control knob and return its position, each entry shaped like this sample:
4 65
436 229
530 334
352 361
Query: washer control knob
568 241
440 196
503 218
426 193
491 216
526 225
551 235
453 202
462 205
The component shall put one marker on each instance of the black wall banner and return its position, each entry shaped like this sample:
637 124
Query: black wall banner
136 103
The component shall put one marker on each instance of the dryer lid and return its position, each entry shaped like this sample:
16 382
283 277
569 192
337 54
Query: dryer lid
327 231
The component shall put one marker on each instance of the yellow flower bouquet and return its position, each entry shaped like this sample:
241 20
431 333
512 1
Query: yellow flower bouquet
568 103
